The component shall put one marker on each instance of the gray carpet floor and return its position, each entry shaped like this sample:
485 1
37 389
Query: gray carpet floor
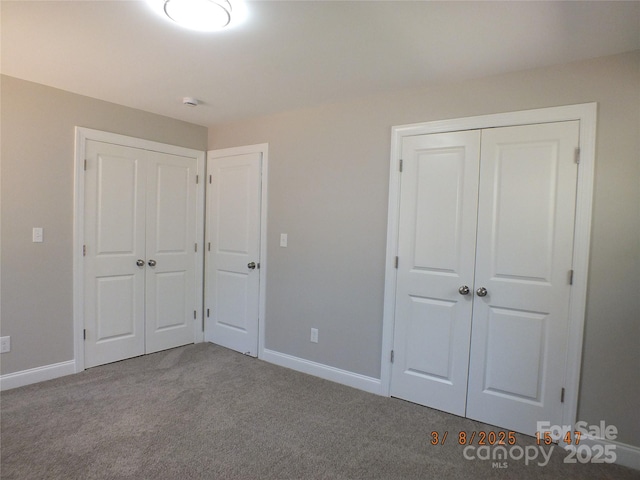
205 412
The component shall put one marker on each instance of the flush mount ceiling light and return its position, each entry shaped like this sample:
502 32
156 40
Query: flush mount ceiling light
202 15
199 14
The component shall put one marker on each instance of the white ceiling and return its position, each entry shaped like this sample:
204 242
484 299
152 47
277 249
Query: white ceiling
296 54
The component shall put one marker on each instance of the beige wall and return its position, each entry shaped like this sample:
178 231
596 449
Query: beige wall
37 152
328 188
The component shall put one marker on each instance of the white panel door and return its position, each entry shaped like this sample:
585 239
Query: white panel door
170 251
115 240
140 237
437 236
233 257
492 210
526 216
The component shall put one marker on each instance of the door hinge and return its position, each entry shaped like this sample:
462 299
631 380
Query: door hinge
209 246
392 355
209 178
400 165
570 277
84 250
577 155
562 395
85 164
396 262
207 313
84 334
195 315
195 247
197 179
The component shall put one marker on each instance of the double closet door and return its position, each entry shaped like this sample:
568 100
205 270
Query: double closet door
484 271
139 259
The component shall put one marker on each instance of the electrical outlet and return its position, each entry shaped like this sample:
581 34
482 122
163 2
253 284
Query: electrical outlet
314 335
283 239
5 344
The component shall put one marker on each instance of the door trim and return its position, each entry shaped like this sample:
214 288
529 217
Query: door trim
262 148
587 115
82 135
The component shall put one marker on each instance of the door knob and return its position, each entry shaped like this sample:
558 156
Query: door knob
463 290
140 263
152 263
251 265
481 292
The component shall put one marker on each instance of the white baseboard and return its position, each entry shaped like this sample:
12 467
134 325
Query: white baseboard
38 374
344 377
626 455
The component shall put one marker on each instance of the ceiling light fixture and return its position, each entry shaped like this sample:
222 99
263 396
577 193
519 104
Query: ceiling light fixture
202 15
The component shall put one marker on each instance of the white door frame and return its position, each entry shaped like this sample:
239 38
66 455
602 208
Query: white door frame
83 134
587 115
262 148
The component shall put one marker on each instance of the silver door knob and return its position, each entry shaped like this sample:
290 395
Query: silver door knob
152 263
251 265
140 263
481 292
463 290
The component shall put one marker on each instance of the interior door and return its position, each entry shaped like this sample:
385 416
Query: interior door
140 240
526 217
114 269
437 236
170 251
233 256
492 210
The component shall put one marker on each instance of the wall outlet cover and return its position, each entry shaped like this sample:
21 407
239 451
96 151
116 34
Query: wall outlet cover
37 235
5 344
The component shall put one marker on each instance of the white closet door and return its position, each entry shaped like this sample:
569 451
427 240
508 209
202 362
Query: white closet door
517 186
524 256
233 233
170 251
115 241
140 235
438 212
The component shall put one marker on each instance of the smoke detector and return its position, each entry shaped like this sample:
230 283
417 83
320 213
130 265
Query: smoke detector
190 101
